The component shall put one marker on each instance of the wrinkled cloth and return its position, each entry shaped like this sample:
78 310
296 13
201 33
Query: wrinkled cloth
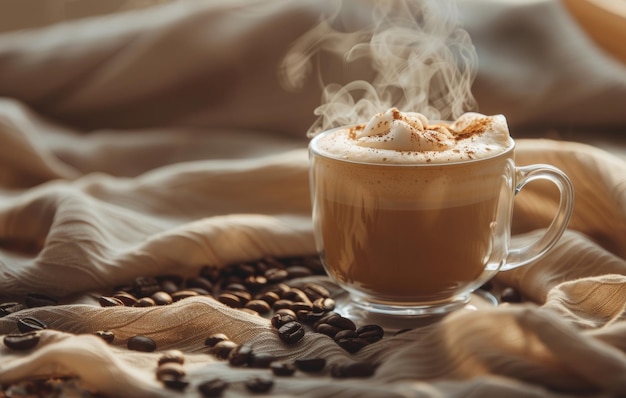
147 144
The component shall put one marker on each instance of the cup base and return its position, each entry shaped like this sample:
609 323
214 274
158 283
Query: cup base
396 318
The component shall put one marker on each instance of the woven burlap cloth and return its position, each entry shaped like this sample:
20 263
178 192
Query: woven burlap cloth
147 144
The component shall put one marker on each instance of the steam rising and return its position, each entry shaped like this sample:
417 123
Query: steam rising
414 53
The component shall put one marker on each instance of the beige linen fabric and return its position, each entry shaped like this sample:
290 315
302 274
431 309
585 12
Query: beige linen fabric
115 163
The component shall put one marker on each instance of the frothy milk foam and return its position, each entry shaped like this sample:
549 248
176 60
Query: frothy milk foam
394 137
403 209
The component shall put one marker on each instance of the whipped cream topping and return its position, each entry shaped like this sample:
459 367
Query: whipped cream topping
409 137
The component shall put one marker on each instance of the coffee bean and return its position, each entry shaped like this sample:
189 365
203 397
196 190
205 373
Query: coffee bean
211 272
351 344
259 306
33 300
328 330
346 334
234 287
298 271
269 297
279 319
183 294
30 324
126 298
282 304
310 364
201 282
21 342
291 332
341 322
145 286
282 368
240 355
169 286
371 333
230 300
162 298
174 356
212 388
310 317
145 302
296 295
323 304
171 370
301 305
276 275
213 339
200 291
10 308
510 295
354 369
323 319
259 384
105 335
106 301
174 383
280 289
222 349
255 282
315 291
141 343
260 360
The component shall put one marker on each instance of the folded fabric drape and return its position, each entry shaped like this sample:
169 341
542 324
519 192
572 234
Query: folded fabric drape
142 145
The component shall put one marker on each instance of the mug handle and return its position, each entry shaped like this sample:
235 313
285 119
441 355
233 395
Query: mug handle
525 254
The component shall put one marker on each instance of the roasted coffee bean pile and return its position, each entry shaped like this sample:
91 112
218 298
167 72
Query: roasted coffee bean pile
264 288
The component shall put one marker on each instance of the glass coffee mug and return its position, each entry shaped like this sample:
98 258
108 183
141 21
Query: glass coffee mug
418 239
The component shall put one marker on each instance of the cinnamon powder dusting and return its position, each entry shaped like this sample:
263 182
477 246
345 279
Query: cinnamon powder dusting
478 126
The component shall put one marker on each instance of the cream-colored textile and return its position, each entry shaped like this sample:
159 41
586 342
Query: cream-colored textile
178 149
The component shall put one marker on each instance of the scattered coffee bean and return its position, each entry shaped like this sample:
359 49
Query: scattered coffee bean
275 275
296 295
281 318
105 335
30 324
200 282
510 295
301 306
282 304
255 283
259 384
260 360
175 383
298 271
324 304
10 308
341 322
21 342
260 306
315 291
283 368
310 364
328 330
213 339
370 333
145 286
183 294
230 300
144 302
171 370
126 298
291 332
222 349
169 285
351 344
173 356
354 369
106 301
162 298
269 297
212 388
141 343
240 355
33 300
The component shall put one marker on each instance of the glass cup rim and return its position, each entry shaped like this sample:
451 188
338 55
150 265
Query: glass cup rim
315 151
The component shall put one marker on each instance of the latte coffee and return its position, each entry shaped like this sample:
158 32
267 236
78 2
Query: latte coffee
412 213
